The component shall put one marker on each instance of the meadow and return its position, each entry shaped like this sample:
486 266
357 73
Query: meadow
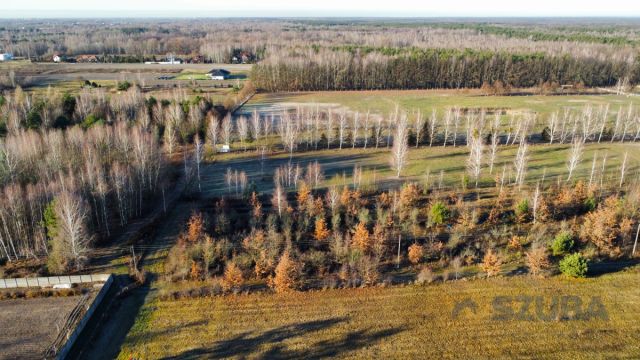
384 101
398 322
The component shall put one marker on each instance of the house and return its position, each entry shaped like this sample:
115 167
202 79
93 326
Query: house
6 56
243 57
218 74
225 149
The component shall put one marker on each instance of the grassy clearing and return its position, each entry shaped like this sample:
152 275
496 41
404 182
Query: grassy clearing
546 160
384 102
398 322
188 75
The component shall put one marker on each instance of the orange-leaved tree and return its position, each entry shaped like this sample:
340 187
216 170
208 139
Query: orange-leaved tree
491 263
233 277
416 253
287 274
321 232
361 238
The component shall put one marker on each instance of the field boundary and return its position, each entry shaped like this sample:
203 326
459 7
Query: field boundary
53 280
62 351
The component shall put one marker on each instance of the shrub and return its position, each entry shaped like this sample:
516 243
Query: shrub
562 244
439 213
416 253
30 294
425 276
123 85
537 260
574 265
590 203
91 120
523 211
491 263
233 278
602 226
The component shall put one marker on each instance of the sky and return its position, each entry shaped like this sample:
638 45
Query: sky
318 8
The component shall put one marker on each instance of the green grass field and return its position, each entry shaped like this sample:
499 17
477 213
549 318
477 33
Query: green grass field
549 161
188 75
384 101
399 322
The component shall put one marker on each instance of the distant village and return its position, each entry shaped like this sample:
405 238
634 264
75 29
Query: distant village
242 57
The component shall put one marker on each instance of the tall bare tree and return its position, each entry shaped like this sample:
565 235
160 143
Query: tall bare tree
212 130
474 162
520 163
227 130
400 148
575 155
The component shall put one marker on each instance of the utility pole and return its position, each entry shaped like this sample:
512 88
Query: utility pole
398 261
135 262
635 244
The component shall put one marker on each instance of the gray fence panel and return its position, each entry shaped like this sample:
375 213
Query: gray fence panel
52 280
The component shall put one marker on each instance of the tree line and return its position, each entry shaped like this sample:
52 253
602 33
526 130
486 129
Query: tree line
433 68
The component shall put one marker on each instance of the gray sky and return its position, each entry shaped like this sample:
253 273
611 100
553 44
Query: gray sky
315 8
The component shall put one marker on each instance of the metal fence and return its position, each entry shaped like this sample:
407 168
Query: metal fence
51 280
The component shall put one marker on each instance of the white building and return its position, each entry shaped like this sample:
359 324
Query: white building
218 74
6 56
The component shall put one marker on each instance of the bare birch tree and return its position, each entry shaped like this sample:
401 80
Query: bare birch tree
623 168
418 126
433 123
575 155
520 163
227 130
243 130
73 214
212 131
474 162
400 148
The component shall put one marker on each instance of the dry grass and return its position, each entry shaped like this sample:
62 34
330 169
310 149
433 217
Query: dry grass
398 322
384 101
28 326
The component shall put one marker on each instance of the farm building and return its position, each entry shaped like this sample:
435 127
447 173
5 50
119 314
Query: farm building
6 56
218 74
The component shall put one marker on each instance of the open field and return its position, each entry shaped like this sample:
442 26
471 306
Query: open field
29 326
425 163
384 101
399 322
50 74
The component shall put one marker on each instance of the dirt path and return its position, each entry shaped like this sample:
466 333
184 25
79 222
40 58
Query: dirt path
105 343
103 257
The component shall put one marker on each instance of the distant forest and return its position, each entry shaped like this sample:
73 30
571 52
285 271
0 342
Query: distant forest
419 69
351 54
